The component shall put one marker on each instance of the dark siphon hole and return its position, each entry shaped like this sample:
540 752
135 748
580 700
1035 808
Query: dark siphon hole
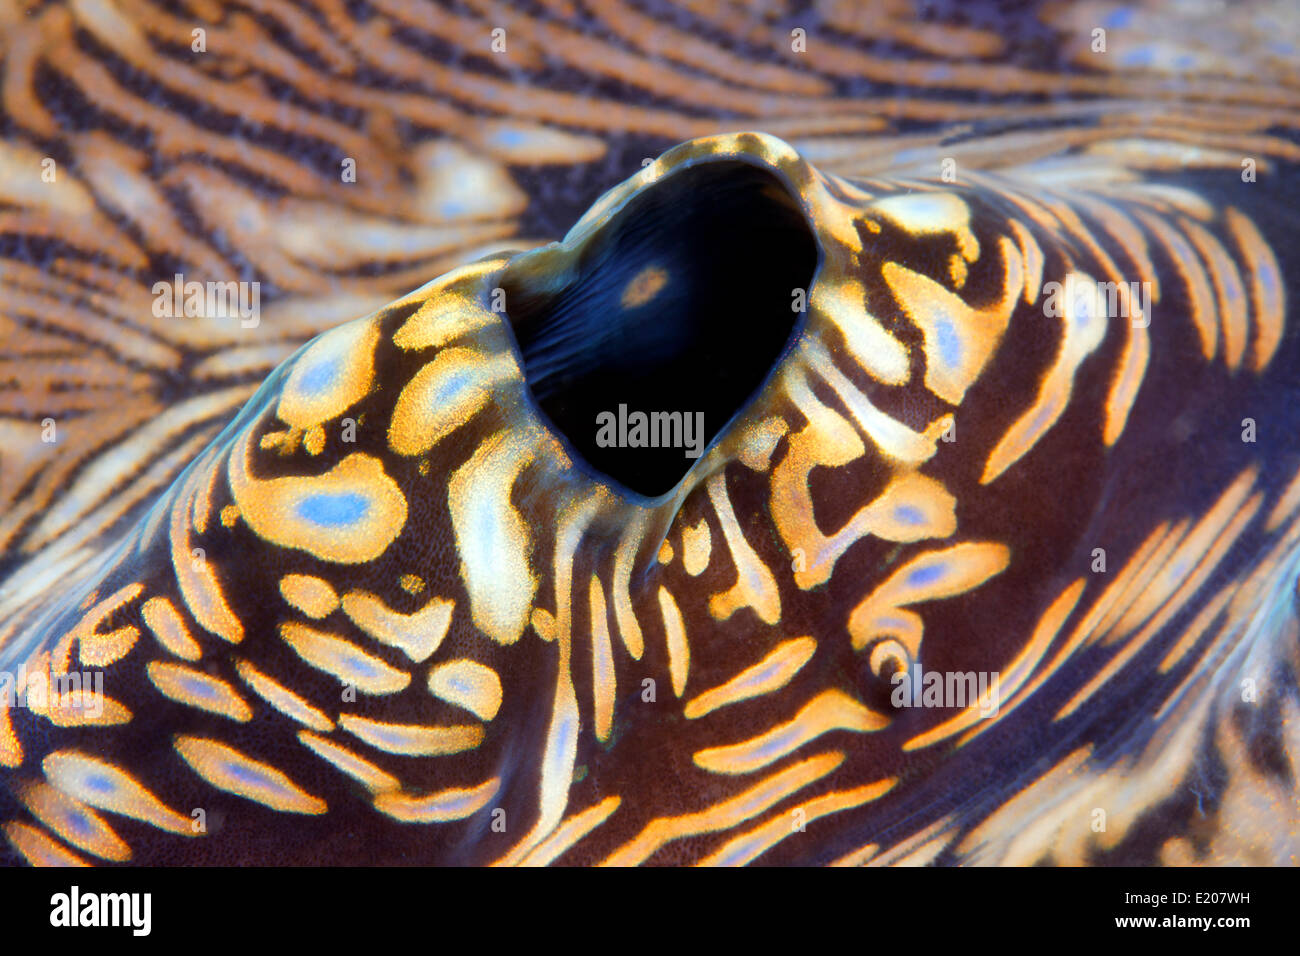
682 304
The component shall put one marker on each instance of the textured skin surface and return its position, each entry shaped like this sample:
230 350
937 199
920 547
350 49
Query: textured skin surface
465 615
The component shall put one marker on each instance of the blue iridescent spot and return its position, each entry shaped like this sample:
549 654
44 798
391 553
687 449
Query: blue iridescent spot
780 743
451 389
510 137
333 510
909 515
460 804
923 576
319 377
249 775
100 784
77 821
760 677
1141 56
361 666
199 688
949 343
1119 19
1268 278
564 735
1082 308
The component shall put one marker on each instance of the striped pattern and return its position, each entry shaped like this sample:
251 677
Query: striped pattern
388 569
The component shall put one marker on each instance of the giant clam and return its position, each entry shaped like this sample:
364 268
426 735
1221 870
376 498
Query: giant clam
672 542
